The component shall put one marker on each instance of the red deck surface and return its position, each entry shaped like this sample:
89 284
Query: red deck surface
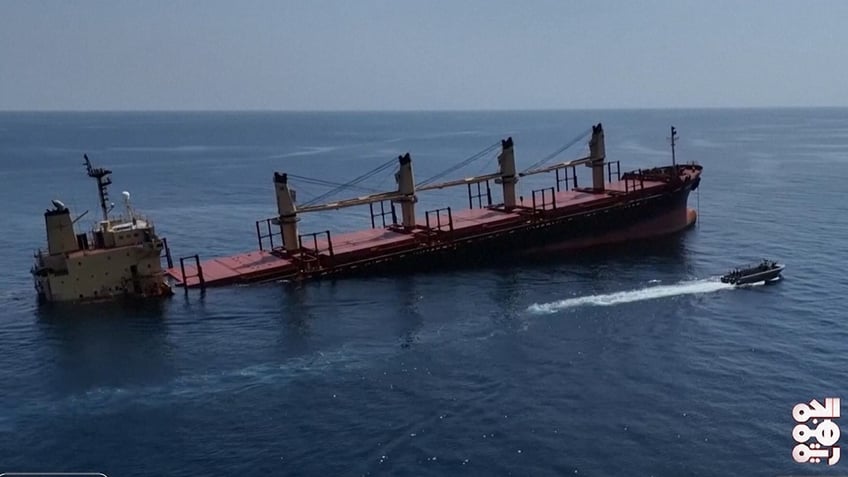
362 240
372 243
230 269
476 219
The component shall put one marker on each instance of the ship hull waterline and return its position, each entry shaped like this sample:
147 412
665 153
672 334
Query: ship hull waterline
657 215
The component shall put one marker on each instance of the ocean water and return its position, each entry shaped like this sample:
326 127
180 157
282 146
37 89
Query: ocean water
624 361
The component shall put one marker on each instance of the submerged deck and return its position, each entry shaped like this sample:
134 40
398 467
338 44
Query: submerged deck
443 224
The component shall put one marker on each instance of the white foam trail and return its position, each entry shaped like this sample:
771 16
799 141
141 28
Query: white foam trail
648 293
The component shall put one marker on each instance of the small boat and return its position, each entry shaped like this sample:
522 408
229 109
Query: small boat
765 271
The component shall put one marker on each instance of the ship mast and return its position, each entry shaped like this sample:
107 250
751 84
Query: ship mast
673 137
103 182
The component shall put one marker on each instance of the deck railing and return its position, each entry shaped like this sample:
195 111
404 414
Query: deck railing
269 234
436 223
543 202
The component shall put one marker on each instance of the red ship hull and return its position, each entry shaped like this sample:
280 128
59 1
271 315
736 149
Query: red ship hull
666 223
648 205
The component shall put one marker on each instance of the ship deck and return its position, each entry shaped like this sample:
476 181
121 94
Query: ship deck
374 244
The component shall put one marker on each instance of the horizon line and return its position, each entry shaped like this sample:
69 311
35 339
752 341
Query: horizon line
402 110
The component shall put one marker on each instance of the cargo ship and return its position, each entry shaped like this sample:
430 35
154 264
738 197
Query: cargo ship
616 207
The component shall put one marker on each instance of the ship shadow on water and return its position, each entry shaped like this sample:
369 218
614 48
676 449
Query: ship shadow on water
124 309
108 345
409 320
62 322
670 249
304 302
297 312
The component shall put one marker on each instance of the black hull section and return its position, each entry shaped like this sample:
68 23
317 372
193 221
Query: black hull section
767 273
531 241
763 277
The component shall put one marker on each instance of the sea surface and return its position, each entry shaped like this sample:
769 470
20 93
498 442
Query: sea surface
631 360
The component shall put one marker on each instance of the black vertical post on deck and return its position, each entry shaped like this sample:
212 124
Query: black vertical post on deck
270 234
182 272
258 235
200 273
168 258
330 244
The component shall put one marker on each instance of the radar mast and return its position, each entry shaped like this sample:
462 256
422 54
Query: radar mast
103 181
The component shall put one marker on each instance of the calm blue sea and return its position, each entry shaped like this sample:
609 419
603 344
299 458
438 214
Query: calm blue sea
630 361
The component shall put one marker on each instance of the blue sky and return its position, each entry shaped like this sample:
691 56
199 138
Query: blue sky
412 55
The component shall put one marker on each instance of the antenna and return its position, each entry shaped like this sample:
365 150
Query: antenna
81 216
127 205
103 181
673 137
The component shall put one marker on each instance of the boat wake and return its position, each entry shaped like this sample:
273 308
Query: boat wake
649 293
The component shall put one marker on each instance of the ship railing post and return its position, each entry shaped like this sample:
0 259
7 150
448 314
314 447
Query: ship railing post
168 258
182 273
258 235
200 272
330 244
450 219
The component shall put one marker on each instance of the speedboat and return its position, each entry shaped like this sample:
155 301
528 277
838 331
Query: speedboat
765 271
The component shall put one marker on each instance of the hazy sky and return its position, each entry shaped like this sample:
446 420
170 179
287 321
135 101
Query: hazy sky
421 54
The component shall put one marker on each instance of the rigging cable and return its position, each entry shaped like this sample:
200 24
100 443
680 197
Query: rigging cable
322 182
558 151
460 165
355 181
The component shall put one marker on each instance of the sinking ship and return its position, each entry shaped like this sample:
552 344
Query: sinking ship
616 207
120 257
